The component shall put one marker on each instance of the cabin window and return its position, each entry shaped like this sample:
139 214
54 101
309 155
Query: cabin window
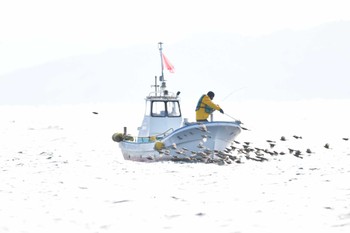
173 109
148 108
165 108
158 109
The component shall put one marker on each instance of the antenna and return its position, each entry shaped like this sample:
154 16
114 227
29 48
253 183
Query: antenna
155 85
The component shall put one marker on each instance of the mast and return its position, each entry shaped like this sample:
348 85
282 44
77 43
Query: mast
161 78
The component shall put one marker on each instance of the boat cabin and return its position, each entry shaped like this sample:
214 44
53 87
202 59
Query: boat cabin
162 116
163 113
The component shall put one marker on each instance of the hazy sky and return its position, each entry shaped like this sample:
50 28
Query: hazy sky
36 31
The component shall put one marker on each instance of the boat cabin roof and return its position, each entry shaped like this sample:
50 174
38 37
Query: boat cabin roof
164 97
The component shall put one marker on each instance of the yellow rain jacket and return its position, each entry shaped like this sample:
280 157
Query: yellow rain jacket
205 107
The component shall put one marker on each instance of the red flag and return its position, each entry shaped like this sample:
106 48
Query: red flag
168 65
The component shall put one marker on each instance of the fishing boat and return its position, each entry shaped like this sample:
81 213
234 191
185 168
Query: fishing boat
165 135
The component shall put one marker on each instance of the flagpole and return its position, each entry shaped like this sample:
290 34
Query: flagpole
163 86
161 60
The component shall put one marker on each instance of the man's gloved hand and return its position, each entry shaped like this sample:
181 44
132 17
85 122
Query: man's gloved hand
222 111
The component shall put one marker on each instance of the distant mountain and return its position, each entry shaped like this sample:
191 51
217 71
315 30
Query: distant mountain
281 66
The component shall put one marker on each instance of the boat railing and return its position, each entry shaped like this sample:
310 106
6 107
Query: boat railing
168 95
155 137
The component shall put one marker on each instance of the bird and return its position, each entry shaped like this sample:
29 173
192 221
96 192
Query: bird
248 150
283 138
173 145
227 150
180 152
254 159
268 152
261 158
202 154
200 145
297 137
208 151
232 157
167 152
345 139
326 146
205 137
202 128
308 151
95 112
298 154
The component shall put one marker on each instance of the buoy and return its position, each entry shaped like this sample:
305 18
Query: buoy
158 146
128 138
117 137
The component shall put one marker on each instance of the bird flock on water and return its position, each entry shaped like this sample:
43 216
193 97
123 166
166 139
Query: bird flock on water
238 152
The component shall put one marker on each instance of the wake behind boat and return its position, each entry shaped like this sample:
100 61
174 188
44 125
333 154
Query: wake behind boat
165 135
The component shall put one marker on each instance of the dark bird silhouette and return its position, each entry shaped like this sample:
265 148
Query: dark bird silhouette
227 150
258 149
326 146
345 139
298 154
309 151
258 159
297 137
232 157
261 158
268 152
290 151
248 150
283 138
95 112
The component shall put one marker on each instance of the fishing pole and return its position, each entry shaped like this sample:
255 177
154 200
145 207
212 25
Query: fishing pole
238 121
233 118
232 92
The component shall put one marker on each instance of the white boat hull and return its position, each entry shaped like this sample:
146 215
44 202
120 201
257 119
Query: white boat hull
184 142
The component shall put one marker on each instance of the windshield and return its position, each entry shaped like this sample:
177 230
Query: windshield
165 108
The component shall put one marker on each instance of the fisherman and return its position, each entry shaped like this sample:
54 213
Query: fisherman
205 107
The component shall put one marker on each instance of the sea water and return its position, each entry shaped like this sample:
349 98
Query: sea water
60 171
